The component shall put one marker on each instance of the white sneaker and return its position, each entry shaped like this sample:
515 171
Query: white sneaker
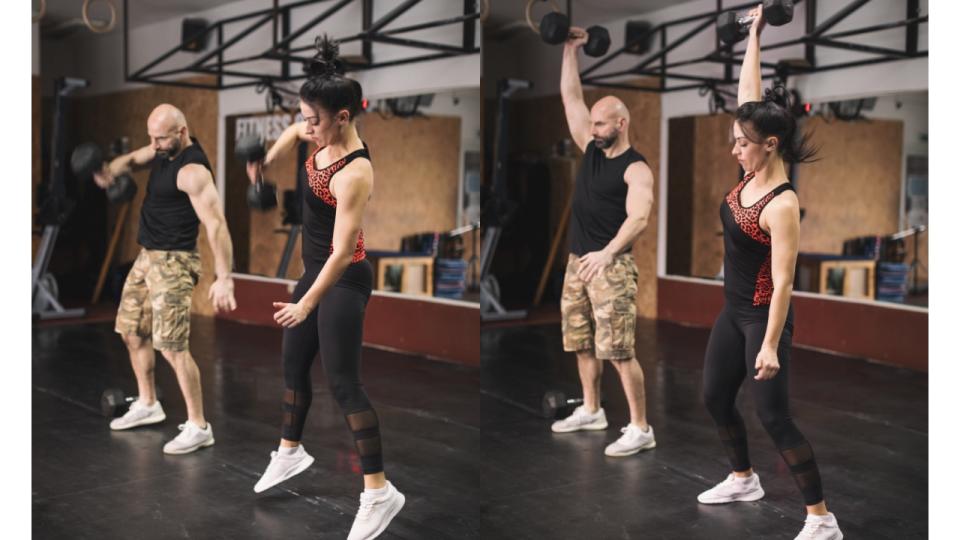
581 419
632 441
820 528
139 415
733 489
283 467
376 512
191 438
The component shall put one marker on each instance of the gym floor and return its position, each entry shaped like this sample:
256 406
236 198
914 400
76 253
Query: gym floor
90 482
867 424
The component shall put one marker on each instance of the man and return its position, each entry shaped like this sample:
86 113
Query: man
611 204
155 305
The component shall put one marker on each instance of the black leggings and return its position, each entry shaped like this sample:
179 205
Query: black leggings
335 330
731 356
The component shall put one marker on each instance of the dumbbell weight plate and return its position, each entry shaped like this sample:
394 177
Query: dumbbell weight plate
123 189
111 402
554 28
263 198
598 41
85 159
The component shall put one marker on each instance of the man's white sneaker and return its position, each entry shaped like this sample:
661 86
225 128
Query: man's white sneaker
632 441
733 489
191 438
283 467
820 528
581 420
139 415
377 508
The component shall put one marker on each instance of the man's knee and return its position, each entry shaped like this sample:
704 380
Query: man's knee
177 359
133 341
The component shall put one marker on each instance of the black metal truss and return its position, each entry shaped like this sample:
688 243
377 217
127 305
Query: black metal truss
657 64
281 52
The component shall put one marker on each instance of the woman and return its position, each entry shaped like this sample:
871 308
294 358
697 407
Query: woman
761 223
326 312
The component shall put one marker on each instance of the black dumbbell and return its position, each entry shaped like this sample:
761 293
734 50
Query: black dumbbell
555 29
261 195
122 190
557 404
732 28
87 159
114 402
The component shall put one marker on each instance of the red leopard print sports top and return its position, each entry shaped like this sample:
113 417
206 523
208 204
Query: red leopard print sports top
746 259
320 209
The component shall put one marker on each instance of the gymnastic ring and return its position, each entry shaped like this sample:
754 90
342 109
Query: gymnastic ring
484 10
43 11
528 12
102 28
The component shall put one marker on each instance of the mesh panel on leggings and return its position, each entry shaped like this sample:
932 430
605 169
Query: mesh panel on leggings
366 434
296 403
803 467
734 439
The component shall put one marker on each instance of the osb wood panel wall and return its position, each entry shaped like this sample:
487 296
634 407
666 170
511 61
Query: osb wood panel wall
538 124
416 163
715 173
854 189
105 117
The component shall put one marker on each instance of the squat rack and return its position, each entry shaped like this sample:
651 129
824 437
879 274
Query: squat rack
284 54
815 36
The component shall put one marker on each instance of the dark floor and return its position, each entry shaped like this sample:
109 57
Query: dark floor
89 482
867 424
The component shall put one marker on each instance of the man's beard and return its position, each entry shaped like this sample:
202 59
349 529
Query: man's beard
606 142
172 151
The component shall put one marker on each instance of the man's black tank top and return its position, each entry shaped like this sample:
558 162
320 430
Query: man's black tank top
167 220
599 199
747 279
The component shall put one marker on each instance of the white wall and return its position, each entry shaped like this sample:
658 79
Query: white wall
99 57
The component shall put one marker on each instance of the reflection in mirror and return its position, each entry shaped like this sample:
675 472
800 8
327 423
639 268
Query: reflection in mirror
863 230
419 226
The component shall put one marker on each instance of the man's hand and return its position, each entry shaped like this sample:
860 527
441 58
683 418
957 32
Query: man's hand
577 37
221 293
593 263
103 178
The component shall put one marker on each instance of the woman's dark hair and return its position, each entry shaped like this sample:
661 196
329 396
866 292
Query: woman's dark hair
771 117
326 86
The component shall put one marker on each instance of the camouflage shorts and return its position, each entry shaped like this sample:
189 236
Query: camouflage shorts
601 315
156 298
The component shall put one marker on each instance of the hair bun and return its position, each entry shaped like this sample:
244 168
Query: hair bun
777 95
326 63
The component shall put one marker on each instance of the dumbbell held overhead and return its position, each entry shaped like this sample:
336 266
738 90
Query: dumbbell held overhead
261 195
732 27
554 28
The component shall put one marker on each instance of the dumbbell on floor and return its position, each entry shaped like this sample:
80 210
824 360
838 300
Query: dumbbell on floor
114 402
732 28
261 195
87 159
557 404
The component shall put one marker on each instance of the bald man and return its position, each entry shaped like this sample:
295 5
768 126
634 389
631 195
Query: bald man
155 306
611 204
